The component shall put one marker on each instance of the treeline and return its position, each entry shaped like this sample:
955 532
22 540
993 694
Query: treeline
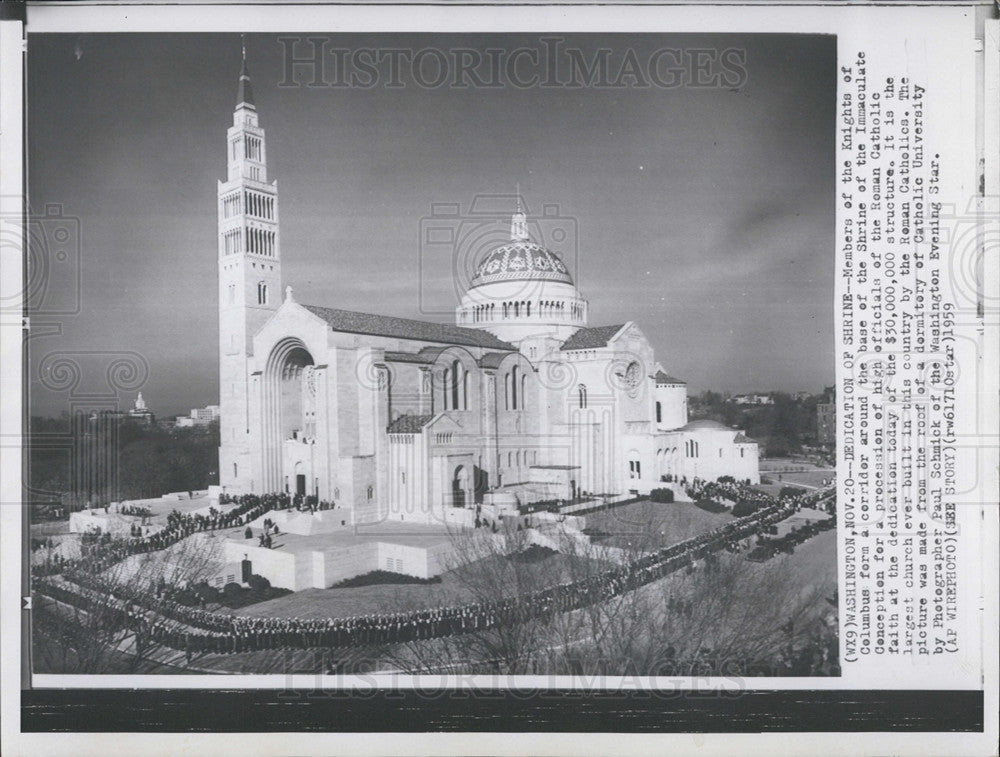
781 428
74 461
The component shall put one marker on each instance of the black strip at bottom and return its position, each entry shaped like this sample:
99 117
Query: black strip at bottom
513 711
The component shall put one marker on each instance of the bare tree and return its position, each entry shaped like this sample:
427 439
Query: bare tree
102 622
723 615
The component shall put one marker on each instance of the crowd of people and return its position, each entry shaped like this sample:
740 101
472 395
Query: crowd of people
301 502
736 493
820 499
100 550
742 495
134 510
768 548
197 630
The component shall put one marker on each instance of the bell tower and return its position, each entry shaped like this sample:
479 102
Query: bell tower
249 278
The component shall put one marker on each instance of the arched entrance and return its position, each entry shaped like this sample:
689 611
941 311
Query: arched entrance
289 412
459 484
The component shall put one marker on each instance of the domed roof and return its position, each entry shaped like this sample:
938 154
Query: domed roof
520 260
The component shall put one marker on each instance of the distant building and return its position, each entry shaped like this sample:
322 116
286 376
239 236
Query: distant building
139 413
753 399
200 416
826 418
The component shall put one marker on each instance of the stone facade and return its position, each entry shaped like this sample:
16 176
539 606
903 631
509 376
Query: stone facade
404 420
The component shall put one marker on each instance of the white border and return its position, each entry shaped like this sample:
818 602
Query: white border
848 21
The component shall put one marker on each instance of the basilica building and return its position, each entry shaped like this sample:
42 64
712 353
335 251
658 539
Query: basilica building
520 401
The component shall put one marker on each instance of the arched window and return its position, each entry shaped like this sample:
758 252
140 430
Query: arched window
513 387
446 388
506 391
581 396
465 390
510 459
523 394
455 380
517 459
371 492
659 413
261 293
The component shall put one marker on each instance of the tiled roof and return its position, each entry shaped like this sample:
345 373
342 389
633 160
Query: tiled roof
663 378
492 359
409 424
591 338
427 355
407 357
520 260
405 328
704 423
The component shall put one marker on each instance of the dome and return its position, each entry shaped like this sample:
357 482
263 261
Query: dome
520 260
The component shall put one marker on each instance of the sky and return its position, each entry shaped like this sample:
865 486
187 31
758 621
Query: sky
704 214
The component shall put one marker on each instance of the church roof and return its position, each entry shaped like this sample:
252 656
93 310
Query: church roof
591 338
426 356
409 424
405 328
520 260
742 438
704 423
492 359
663 378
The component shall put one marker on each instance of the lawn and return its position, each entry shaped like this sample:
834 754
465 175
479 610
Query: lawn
814 562
811 567
542 569
646 524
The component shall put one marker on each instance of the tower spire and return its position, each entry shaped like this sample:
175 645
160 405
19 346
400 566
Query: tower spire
518 223
244 95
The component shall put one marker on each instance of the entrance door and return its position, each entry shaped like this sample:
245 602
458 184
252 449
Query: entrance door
300 484
458 487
